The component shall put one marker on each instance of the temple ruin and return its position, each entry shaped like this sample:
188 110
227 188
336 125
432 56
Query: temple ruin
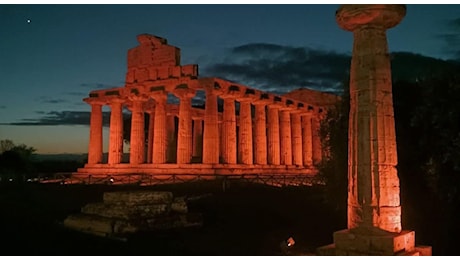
240 130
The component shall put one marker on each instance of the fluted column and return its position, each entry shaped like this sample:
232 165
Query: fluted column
373 185
116 131
296 128
245 153
229 132
137 140
273 136
307 146
211 129
285 138
150 135
159 138
184 132
171 140
260 135
95 132
198 138
317 148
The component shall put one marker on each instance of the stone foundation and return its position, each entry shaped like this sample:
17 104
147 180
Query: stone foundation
374 242
123 213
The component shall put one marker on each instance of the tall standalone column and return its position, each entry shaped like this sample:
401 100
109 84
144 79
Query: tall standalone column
273 135
95 132
245 154
373 184
285 138
116 131
296 128
307 146
137 140
159 138
229 131
211 129
184 132
151 113
260 135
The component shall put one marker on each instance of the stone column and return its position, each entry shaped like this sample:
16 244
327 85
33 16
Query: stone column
171 140
151 113
95 132
285 137
296 128
373 184
245 154
229 131
307 146
116 131
184 132
317 148
273 135
159 138
137 140
198 138
211 129
260 135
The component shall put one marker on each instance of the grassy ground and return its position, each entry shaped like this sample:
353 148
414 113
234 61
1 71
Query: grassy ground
246 219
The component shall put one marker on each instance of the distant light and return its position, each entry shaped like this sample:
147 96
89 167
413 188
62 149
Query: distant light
290 242
28 20
10 179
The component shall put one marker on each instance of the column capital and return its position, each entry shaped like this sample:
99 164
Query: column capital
94 101
159 95
352 17
115 100
184 93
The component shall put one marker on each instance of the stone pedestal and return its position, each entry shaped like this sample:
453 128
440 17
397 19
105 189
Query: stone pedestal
373 242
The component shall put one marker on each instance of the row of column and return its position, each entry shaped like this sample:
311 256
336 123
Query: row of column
282 136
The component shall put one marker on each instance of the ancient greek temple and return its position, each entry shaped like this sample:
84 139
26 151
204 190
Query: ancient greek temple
237 130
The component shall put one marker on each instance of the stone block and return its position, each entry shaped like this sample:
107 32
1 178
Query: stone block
175 221
349 241
374 243
327 250
179 205
90 224
424 250
392 243
125 211
138 197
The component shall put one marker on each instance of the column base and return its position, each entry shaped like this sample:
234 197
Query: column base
373 242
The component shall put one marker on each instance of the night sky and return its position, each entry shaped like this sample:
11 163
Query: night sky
52 56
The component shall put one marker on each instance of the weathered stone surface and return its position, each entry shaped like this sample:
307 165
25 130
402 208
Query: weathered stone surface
373 182
138 197
179 205
98 225
175 221
126 211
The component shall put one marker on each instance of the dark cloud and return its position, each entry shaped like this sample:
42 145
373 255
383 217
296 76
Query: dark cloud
278 68
451 38
50 100
78 94
61 118
97 85
2 107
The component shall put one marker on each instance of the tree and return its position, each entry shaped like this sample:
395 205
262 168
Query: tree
15 159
